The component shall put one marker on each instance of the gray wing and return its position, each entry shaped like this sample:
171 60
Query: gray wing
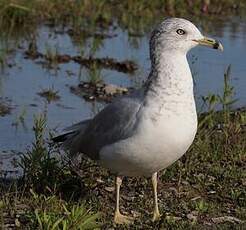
115 122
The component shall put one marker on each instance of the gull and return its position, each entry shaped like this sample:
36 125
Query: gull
145 132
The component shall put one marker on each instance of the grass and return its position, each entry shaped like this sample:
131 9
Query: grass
49 94
15 15
34 211
51 55
20 119
3 58
205 189
35 201
94 74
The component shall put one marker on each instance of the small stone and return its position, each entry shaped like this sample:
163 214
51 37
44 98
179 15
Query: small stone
17 223
222 219
99 180
192 217
86 85
211 192
135 214
196 198
173 190
110 189
98 90
173 218
177 218
113 89
127 198
184 182
89 98
100 96
99 85
207 223
110 89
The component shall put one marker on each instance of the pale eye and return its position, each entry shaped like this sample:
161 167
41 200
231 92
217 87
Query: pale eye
180 32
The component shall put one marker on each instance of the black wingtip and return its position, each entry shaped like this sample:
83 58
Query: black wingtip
61 138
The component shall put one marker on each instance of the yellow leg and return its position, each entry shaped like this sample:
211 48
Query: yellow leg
118 217
156 213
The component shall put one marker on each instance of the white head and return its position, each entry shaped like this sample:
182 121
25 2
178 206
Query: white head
178 35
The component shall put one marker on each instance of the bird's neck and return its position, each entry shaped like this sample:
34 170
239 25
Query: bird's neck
170 80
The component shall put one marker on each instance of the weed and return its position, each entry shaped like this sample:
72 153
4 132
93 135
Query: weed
40 169
94 74
201 206
31 208
49 94
95 45
136 16
28 210
13 15
57 214
3 58
226 99
213 102
51 55
20 119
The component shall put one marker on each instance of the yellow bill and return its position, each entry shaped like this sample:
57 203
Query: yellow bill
210 42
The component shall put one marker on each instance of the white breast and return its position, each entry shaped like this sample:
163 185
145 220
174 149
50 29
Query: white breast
155 146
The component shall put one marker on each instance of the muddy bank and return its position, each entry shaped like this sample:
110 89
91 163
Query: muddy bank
5 107
91 62
98 91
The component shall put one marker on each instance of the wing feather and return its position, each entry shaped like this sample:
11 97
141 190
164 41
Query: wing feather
115 122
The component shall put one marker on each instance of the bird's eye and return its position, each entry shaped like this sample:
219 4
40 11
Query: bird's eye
180 32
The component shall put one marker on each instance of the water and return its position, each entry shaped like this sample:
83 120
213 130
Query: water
26 78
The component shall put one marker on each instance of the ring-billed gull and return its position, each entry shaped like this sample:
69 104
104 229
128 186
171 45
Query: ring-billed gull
141 134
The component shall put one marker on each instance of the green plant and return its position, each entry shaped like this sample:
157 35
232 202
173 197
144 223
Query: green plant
40 169
49 94
20 118
94 74
1 213
51 55
201 206
13 14
213 102
76 217
135 16
3 57
95 45
47 221
58 214
30 210
226 99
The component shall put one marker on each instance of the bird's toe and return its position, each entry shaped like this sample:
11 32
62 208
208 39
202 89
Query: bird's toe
121 219
156 216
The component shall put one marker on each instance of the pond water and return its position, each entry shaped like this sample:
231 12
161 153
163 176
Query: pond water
21 82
